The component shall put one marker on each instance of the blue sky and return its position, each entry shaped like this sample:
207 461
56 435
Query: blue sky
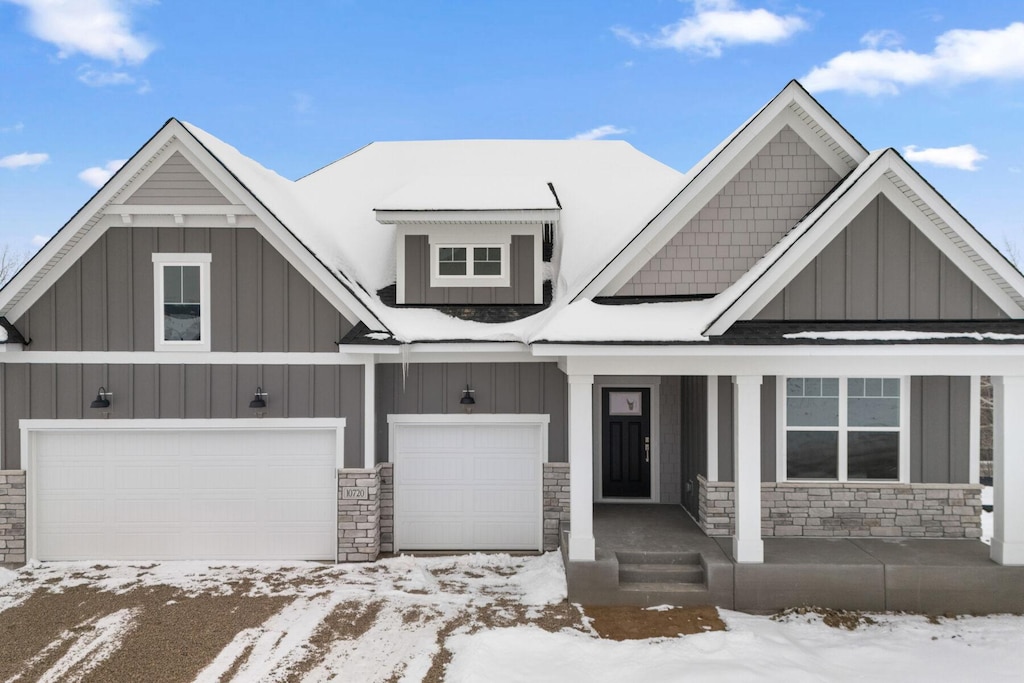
295 85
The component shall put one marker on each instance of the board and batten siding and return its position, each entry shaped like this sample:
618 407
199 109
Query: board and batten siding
177 182
64 392
881 267
429 388
694 456
259 302
939 429
419 291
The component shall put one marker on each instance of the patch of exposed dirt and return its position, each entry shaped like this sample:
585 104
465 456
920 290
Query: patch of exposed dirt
835 618
174 636
637 623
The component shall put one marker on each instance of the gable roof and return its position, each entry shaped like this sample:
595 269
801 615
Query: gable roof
88 224
793 107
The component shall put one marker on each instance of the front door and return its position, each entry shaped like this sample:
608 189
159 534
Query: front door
626 443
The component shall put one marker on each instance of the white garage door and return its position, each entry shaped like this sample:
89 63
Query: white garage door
468 486
189 493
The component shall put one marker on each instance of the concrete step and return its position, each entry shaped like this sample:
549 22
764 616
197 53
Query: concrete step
661 573
686 557
654 588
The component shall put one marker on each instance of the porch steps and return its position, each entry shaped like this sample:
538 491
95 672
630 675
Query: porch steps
661 572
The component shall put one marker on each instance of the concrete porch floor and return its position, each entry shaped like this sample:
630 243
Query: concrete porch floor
932 576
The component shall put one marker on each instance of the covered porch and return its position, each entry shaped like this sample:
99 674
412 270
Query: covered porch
657 554
752 564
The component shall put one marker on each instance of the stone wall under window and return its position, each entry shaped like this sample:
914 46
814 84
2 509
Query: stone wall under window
850 509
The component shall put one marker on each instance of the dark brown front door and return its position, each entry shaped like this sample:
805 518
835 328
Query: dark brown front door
626 443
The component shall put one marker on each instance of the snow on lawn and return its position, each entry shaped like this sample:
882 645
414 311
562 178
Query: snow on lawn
755 648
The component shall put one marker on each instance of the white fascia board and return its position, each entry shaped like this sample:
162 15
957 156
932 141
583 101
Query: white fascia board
186 357
910 359
171 209
717 172
512 216
305 423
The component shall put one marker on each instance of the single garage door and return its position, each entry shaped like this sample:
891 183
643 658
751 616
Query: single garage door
468 485
183 489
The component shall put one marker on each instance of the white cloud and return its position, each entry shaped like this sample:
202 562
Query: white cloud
24 159
716 24
600 132
97 28
39 240
302 103
881 38
960 55
97 175
16 128
963 157
98 79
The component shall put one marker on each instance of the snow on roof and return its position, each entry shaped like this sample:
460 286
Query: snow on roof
471 193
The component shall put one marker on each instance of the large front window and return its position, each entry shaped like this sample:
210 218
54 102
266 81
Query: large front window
182 315
843 428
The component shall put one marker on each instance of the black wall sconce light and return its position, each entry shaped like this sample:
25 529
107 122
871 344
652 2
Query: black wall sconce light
467 400
102 398
259 400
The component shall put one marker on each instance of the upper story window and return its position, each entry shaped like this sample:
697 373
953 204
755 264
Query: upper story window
181 290
845 429
469 265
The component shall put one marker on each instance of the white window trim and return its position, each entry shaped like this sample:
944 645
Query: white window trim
168 259
469 280
843 428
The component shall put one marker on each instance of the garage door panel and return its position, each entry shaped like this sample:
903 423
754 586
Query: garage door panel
468 486
185 494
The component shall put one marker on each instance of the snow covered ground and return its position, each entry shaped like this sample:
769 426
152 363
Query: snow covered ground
490 618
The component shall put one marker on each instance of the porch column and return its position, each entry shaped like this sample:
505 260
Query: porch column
369 413
747 545
1008 470
581 468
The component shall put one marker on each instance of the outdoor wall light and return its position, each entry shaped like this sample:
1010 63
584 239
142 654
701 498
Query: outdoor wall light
259 399
102 398
467 400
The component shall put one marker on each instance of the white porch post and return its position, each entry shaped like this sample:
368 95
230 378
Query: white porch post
1008 470
581 468
369 413
747 545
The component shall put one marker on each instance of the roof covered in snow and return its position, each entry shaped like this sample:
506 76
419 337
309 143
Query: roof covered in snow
471 193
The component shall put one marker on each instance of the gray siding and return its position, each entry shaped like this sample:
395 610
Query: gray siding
670 437
426 388
881 268
50 391
177 182
259 302
419 291
741 223
725 429
694 422
940 430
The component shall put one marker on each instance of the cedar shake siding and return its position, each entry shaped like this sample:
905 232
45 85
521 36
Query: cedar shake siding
259 302
881 267
417 277
740 224
436 388
64 391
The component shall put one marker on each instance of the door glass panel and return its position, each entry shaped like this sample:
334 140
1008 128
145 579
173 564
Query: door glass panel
625 403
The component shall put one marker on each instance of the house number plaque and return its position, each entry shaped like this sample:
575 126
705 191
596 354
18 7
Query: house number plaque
354 493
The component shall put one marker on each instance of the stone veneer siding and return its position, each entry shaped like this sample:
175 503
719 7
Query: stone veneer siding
864 510
386 472
359 532
12 516
556 502
741 223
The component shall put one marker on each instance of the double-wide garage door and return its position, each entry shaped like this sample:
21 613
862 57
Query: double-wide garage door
468 486
250 492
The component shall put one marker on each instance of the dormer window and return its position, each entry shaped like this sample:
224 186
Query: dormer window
469 265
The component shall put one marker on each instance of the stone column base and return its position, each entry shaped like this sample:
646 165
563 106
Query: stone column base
12 517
